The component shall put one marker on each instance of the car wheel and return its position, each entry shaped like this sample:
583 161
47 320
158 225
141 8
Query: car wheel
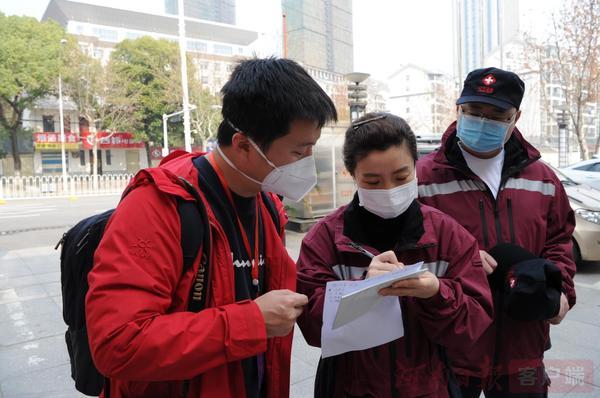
577 254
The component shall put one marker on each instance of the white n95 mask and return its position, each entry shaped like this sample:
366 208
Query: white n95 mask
389 203
293 180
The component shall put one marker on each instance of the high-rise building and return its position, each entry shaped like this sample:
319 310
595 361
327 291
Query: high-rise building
319 33
222 11
480 27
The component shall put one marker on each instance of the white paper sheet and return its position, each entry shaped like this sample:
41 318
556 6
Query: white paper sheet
380 325
376 320
359 300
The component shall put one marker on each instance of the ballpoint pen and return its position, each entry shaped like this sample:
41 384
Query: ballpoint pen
361 249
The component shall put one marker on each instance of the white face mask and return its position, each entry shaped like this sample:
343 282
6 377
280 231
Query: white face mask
389 203
293 180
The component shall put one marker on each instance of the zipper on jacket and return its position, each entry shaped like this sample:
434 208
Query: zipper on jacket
484 226
511 222
498 226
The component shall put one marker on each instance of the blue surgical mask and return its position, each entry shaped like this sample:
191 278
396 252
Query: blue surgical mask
480 134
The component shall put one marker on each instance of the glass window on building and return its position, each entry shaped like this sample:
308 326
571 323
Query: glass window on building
97 53
171 7
106 34
82 158
221 49
48 123
197 46
108 157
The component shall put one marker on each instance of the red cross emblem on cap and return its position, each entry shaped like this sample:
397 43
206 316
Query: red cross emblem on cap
489 80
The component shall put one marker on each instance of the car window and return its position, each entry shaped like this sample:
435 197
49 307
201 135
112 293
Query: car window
585 167
566 181
595 167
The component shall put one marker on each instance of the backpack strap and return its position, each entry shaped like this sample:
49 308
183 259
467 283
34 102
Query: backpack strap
195 240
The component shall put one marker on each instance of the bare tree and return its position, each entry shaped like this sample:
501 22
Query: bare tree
569 61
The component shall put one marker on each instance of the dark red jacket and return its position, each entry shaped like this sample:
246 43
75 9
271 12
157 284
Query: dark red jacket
531 210
140 334
455 317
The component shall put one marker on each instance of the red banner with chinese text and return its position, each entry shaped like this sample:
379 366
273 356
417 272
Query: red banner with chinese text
110 140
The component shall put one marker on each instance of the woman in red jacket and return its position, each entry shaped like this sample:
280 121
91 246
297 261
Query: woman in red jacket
449 306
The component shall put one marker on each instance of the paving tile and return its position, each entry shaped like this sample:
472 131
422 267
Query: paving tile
21 293
31 356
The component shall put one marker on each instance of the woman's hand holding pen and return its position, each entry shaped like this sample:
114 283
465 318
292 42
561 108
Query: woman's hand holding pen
383 263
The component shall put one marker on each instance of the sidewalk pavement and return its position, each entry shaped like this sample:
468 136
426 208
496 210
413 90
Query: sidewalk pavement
34 361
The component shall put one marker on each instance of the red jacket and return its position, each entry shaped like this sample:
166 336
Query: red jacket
140 334
531 210
454 317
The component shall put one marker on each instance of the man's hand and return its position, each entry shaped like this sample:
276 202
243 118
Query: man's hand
280 308
383 263
424 286
488 262
564 308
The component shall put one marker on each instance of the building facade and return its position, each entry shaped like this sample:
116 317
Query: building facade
424 98
319 33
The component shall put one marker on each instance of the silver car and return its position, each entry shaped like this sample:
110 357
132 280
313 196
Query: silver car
585 202
585 172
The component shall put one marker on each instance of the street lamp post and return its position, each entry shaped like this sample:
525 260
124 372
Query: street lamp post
357 94
62 126
563 138
184 83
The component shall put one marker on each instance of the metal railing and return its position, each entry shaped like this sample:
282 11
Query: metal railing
31 187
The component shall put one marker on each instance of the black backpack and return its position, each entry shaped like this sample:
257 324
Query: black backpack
76 260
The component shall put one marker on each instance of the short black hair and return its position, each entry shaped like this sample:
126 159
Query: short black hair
263 96
376 132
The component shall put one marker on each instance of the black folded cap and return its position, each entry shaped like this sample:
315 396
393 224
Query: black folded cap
530 286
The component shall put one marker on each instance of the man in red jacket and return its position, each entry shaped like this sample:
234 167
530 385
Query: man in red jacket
490 179
141 336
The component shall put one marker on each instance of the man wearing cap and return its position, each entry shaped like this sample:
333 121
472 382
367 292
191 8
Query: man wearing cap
490 179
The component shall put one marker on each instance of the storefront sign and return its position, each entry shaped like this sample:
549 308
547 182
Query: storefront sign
51 141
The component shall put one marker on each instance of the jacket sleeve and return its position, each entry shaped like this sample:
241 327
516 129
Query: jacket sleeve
558 247
462 309
317 256
133 333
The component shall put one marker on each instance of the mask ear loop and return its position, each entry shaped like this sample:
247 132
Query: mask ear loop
260 152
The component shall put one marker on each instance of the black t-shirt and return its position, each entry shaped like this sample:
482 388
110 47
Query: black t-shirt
240 259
